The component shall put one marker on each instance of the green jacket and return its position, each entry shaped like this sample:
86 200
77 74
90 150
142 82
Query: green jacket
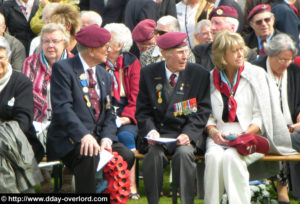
19 169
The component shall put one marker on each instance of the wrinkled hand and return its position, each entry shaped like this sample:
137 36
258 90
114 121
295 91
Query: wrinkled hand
218 138
89 146
294 127
153 135
105 144
183 139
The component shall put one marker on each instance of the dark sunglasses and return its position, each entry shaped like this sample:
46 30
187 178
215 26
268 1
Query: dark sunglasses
159 32
260 22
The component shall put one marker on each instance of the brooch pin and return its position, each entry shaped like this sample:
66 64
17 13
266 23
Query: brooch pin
82 77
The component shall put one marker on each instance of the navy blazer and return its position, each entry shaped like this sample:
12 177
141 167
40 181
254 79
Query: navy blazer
293 77
193 82
71 117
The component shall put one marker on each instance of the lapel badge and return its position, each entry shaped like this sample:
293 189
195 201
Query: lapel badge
181 87
85 89
82 77
11 102
158 87
157 78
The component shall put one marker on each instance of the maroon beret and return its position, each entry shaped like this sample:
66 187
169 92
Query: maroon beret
144 30
172 40
250 143
226 11
92 36
258 9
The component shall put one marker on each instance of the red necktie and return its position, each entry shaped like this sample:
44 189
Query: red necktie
262 50
93 94
172 80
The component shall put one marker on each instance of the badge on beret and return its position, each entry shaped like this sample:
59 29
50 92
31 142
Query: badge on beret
219 12
264 7
158 87
82 77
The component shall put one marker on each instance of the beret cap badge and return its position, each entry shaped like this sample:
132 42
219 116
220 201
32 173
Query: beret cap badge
219 11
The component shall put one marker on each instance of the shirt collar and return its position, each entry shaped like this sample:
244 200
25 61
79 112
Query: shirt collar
169 73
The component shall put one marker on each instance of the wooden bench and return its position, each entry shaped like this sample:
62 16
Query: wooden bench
56 172
295 157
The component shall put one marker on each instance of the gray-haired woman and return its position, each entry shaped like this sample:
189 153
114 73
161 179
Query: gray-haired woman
278 63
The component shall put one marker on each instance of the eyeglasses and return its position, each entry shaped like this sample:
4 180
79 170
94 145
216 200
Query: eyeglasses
159 32
54 42
260 22
284 61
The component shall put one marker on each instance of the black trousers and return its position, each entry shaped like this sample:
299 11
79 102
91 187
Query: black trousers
84 167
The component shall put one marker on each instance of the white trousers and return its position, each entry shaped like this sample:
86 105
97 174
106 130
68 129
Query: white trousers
226 169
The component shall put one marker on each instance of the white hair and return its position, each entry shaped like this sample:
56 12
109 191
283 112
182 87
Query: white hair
122 35
171 22
233 21
93 17
4 44
200 24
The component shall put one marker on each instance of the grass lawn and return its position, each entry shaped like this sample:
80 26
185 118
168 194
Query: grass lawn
166 199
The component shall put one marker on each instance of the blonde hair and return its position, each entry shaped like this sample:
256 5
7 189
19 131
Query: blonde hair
67 15
223 40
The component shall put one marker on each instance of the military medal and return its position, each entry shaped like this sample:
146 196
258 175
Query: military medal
85 89
88 103
181 87
194 104
159 100
175 113
82 77
158 87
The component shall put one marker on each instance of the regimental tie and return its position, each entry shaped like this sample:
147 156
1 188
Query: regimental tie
262 49
93 95
172 79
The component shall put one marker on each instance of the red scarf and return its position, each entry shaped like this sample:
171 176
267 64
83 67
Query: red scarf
225 89
114 71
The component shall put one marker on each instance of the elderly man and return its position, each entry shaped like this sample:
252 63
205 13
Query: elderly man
261 20
143 36
174 103
222 18
18 53
202 32
82 121
164 24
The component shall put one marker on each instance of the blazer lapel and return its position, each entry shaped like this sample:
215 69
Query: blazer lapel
80 74
102 85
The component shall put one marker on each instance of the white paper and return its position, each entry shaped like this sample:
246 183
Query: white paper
162 140
104 157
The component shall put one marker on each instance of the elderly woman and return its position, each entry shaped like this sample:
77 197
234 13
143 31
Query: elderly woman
278 63
241 103
125 70
38 68
16 111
